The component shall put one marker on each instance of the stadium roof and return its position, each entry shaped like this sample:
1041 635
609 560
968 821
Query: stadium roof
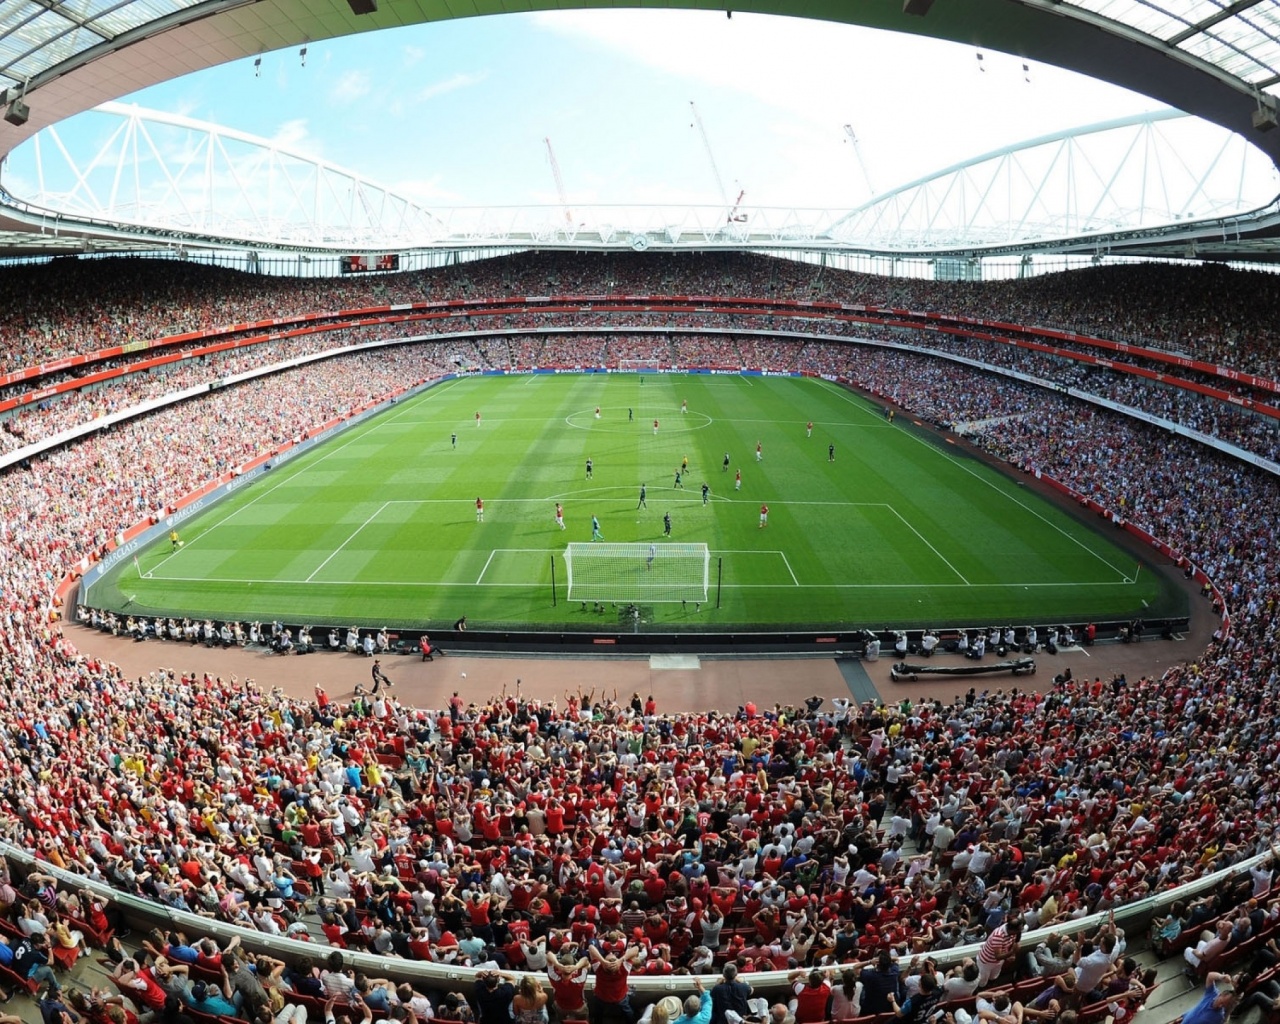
1217 59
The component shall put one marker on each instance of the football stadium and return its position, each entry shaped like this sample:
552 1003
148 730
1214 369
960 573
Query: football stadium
614 605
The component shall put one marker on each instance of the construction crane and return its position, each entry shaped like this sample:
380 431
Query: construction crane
734 217
857 152
555 173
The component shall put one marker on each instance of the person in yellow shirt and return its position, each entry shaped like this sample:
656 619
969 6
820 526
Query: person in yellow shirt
1049 909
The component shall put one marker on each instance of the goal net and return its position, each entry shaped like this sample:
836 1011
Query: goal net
651 573
649 365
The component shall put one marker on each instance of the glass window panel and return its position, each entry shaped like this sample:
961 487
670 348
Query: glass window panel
34 31
1223 56
1161 20
58 49
130 16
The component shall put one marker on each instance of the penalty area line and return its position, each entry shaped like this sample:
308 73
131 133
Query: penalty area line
486 566
924 540
347 541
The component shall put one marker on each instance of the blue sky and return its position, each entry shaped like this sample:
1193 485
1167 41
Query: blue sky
454 113
457 111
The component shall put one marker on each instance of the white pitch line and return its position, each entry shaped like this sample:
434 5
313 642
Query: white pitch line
631 491
382 420
540 583
486 566
816 424
784 501
528 551
787 563
1027 508
1000 490
859 404
172 554
925 542
347 541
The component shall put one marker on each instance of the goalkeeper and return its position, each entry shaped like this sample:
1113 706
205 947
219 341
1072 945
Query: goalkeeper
595 529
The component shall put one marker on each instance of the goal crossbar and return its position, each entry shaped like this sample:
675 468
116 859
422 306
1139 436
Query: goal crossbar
643 572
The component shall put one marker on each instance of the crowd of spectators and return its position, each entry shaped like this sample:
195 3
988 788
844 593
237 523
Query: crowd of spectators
1252 431
73 306
599 833
1147 475
1180 306
49 416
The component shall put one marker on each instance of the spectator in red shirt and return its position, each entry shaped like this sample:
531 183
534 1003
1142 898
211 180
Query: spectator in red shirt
812 996
612 998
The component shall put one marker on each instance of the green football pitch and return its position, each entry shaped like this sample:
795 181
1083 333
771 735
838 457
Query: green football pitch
378 525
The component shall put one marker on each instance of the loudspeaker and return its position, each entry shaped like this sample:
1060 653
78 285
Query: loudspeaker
363 6
919 8
17 113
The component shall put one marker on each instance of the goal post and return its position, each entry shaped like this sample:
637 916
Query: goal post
651 365
649 573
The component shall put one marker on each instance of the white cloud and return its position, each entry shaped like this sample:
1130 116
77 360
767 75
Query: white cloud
425 190
296 136
461 80
187 106
774 94
350 86
916 104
